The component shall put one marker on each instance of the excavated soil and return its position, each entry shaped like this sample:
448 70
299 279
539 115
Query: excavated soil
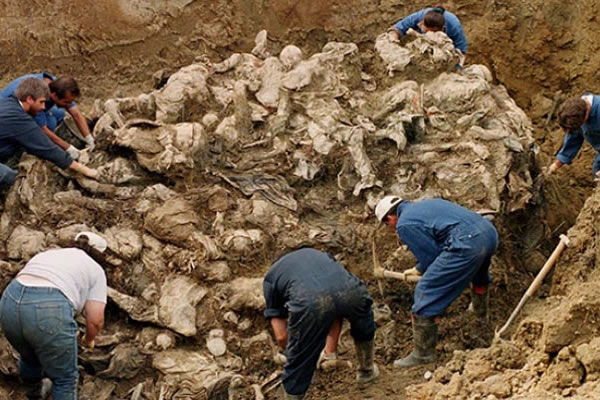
541 51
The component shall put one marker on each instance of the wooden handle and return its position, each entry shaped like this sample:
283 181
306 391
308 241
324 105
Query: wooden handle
547 266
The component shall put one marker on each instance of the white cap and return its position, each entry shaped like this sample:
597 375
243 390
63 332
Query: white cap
385 205
94 240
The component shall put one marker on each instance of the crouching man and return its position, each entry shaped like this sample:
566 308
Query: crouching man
306 292
454 247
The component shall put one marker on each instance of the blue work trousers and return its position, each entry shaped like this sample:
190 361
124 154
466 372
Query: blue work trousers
54 117
465 259
39 323
8 176
308 328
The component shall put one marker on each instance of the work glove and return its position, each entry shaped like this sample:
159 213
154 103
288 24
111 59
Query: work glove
73 152
412 271
89 139
550 169
279 359
325 357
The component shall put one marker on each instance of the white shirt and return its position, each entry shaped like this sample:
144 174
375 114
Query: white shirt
72 271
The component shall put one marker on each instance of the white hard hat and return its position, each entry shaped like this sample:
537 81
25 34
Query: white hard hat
385 205
94 240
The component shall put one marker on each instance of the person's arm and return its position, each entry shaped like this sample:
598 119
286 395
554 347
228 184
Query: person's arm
81 123
280 331
333 336
94 320
421 244
54 138
571 145
409 22
34 141
83 170
455 32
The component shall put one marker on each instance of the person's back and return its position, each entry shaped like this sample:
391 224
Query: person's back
9 90
72 271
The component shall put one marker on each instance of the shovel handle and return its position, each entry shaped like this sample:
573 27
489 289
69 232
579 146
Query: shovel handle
564 242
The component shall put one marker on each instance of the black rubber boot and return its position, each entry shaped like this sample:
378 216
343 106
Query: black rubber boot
480 302
283 395
367 369
424 341
33 389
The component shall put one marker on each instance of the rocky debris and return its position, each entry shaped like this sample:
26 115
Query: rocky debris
204 180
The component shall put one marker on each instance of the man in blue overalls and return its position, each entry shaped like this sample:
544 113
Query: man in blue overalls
580 119
306 292
454 247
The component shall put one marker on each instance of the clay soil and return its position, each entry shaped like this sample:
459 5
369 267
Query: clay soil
534 48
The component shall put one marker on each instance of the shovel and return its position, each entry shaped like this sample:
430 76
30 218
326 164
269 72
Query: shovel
564 242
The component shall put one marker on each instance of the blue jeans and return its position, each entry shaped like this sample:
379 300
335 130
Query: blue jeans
8 176
39 323
54 117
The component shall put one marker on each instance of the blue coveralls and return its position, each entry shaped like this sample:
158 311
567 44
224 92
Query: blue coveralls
453 27
453 246
312 290
589 131
51 116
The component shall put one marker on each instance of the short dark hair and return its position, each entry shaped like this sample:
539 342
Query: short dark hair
33 87
434 19
572 113
63 85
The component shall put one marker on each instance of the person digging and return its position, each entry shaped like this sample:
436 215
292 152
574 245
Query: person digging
453 247
307 295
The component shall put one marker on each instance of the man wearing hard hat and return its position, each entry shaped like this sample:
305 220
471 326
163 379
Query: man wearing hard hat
454 247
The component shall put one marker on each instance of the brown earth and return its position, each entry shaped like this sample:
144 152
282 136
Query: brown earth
534 48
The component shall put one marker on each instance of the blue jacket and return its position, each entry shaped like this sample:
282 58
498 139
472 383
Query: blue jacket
41 117
453 27
19 131
589 131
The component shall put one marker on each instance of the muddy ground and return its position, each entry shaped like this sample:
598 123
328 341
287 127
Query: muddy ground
535 49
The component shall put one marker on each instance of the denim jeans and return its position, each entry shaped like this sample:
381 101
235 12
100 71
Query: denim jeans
7 176
54 117
39 323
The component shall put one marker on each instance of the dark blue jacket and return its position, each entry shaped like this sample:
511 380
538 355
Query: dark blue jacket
300 278
589 131
19 131
453 28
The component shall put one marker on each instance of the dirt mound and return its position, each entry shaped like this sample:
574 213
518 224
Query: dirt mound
204 179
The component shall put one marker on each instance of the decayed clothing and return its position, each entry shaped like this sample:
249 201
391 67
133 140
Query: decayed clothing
453 246
311 290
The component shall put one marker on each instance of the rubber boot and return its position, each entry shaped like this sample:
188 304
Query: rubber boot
367 369
33 389
424 341
480 301
283 395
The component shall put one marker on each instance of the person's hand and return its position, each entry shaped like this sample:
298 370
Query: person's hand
87 344
73 152
89 139
393 35
551 169
89 172
325 357
279 359
412 271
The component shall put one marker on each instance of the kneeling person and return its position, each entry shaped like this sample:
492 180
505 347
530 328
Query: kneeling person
306 292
